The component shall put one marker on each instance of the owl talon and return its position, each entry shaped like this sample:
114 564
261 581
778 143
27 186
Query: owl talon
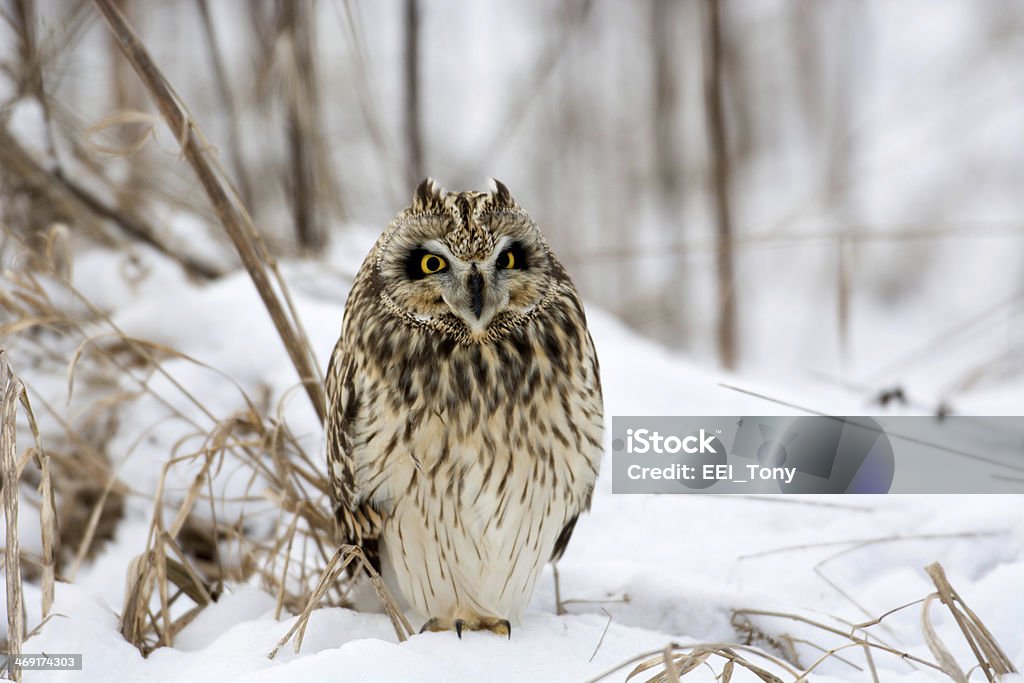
502 627
435 625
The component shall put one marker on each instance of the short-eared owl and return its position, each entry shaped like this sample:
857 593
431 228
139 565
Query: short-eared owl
464 416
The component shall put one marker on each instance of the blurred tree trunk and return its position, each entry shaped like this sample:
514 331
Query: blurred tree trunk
667 153
413 134
666 85
296 25
844 23
720 180
228 102
23 20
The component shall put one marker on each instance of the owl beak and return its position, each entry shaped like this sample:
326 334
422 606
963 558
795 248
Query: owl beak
475 285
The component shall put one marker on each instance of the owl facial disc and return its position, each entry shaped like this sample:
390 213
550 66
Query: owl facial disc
458 262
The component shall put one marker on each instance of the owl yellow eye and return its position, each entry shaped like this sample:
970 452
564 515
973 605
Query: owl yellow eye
432 263
513 258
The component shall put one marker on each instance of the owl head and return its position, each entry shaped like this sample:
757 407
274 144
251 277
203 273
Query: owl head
463 262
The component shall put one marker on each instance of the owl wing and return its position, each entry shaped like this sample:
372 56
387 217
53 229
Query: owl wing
562 542
358 523
592 441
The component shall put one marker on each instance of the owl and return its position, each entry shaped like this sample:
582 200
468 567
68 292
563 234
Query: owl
464 412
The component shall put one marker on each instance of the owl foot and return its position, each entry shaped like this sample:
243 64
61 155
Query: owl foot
500 626
503 627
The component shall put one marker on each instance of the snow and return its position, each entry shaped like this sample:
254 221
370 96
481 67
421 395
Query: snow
650 569
933 134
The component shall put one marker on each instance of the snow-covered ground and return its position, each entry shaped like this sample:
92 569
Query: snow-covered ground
641 571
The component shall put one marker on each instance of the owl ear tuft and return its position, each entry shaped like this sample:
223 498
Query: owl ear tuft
429 196
502 197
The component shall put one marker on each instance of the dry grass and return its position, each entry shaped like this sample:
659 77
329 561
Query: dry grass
185 555
675 661
193 547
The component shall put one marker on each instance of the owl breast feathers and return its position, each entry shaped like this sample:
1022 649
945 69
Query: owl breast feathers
464 414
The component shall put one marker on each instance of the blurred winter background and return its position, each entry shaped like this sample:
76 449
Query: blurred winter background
820 186
820 197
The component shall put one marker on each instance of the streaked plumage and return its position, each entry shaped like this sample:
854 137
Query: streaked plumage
464 415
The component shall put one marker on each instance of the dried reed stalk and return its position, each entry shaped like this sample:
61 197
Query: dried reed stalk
70 200
156 571
48 524
992 660
91 526
12 555
849 635
946 661
12 392
343 558
678 660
